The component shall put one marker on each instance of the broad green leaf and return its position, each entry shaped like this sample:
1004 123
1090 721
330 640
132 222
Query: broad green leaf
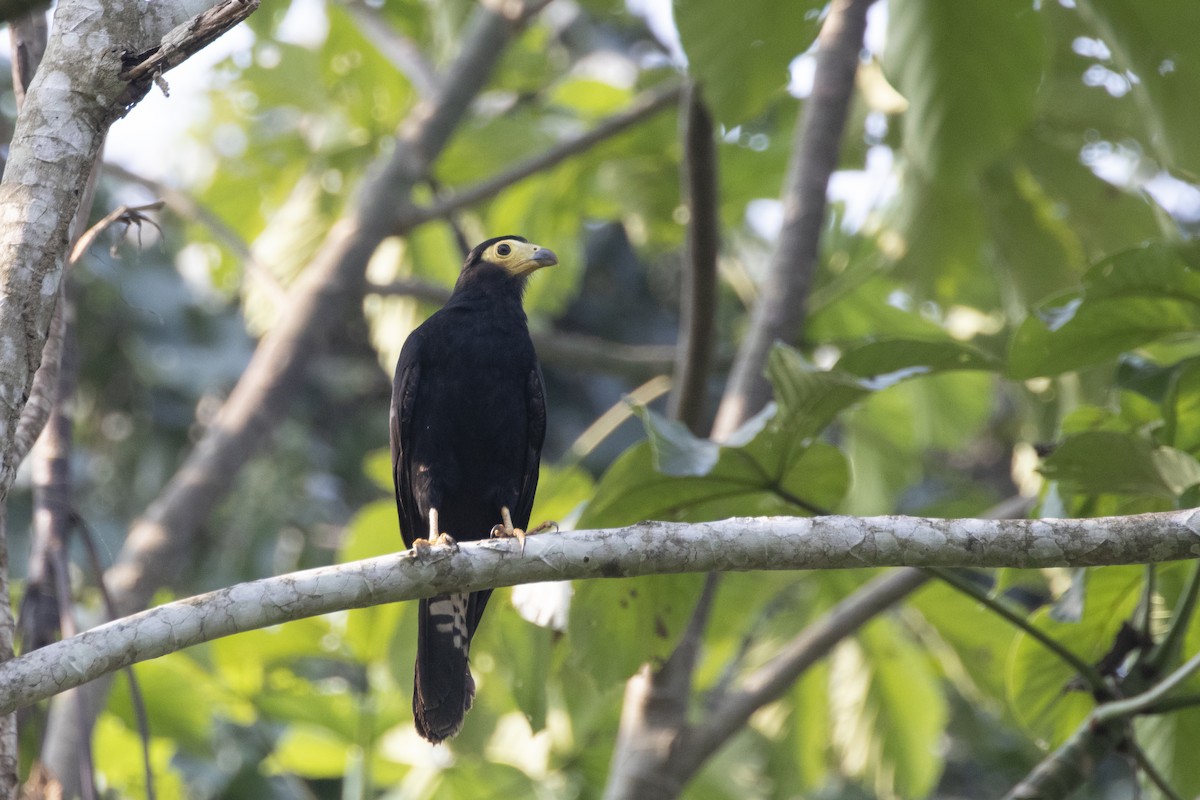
332 704
1181 407
243 661
310 751
740 54
977 639
676 450
1037 680
377 465
644 615
1154 42
878 307
485 778
191 725
742 483
970 72
373 531
120 765
1102 219
1040 252
888 361
1133 298
561 492
1169 742
889 711
893 444
1108 462
808 399
523 657
805 747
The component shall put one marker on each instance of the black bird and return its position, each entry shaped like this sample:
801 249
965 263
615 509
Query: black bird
467 423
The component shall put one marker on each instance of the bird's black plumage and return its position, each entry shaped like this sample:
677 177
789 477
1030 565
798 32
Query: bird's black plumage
468 419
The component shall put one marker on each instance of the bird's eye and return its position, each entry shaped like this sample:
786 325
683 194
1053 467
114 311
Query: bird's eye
503 249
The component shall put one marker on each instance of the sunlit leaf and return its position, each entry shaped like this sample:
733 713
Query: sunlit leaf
1039 683
889 711
740 54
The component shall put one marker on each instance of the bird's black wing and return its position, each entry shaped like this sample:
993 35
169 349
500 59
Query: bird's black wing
535 415
404 400
535 435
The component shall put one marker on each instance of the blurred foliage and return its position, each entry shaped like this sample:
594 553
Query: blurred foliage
1008 269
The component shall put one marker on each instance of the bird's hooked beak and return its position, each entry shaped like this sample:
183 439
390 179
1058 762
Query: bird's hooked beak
528 257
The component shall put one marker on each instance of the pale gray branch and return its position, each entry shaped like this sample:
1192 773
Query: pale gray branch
768 543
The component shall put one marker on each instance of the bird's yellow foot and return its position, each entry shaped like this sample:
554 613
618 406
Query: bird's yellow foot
506 529
422 547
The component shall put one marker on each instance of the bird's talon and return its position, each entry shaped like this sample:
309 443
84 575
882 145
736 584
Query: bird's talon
423 548
505 532
542 527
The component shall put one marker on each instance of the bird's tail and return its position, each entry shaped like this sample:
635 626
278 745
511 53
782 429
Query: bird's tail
443 688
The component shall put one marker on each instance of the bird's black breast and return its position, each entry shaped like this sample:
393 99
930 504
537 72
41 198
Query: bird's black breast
469 433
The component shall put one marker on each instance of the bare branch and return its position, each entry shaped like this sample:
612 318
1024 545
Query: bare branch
698 304
781 308
141 70
767 543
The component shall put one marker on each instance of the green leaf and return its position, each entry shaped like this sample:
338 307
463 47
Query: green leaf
889 711
242 662
1154 42
644 615
888 361
808 399
742 483
1181 407
977 639
1133 298
524 654
1037 680
119 761
1169 741
740 53
676 450
1108 462
970 73
163 682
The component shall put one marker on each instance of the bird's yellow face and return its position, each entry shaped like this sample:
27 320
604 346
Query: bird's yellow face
519 258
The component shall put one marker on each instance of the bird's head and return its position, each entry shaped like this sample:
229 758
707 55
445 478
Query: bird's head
510 257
